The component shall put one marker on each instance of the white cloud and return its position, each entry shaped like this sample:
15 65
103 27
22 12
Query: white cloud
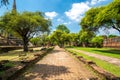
59 20
77 11
67 23
94 2
51 15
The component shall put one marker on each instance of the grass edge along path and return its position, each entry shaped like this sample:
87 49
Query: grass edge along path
103 64
101 51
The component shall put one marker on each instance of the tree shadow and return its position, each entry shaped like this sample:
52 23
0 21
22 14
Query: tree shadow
44 71
111 51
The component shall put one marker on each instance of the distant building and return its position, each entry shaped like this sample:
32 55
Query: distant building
112 42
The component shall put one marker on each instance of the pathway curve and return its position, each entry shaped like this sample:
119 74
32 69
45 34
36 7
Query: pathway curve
58 65
105 58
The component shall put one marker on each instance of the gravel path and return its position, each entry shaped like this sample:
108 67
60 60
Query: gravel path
58 65
105 58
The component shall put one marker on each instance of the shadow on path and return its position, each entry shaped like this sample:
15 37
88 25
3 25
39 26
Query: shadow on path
44 71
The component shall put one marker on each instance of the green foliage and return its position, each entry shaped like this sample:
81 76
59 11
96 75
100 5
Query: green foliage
85 37
111 36
45 40
63 28
74 39
35 41
58 37
61 38
97 41
8 65
26 24
106 16
89 19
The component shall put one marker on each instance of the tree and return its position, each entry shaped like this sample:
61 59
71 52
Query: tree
111 36
26 24
85 37
106 16
88 20
74 39
97 41
110 16
58 37
63 28
35 41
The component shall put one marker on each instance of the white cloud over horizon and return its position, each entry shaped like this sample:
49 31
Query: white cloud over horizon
77 11
94 2
51 15
67 23
60 20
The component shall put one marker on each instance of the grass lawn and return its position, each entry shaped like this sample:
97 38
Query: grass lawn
14 55
102 51
103 64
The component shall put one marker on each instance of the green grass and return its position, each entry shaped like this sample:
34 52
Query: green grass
14 55
102 51
103 64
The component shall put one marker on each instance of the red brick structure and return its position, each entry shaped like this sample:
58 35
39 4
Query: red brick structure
112 42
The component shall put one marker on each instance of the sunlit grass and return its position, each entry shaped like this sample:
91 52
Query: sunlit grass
14 55
103 64
102 51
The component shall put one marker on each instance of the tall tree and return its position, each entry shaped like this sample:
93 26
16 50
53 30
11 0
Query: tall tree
58 37
85 37
110 16
63 28
97 41
88 20
26 24
107 16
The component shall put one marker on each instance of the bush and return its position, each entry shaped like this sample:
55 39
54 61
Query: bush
97 41
5 64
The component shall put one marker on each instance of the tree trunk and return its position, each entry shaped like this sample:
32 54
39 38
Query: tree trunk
83 44
25 44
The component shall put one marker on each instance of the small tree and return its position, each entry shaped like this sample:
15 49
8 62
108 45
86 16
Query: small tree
112 36
97 41
58 37
35 41
26 24
85 37
63 28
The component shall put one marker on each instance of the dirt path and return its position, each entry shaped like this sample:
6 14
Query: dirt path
58 65
105 58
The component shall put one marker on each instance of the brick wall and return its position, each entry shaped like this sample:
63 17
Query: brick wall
112 42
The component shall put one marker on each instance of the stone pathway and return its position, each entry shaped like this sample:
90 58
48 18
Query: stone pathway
105 58
58 65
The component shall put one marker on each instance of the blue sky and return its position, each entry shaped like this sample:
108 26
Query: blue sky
68 12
